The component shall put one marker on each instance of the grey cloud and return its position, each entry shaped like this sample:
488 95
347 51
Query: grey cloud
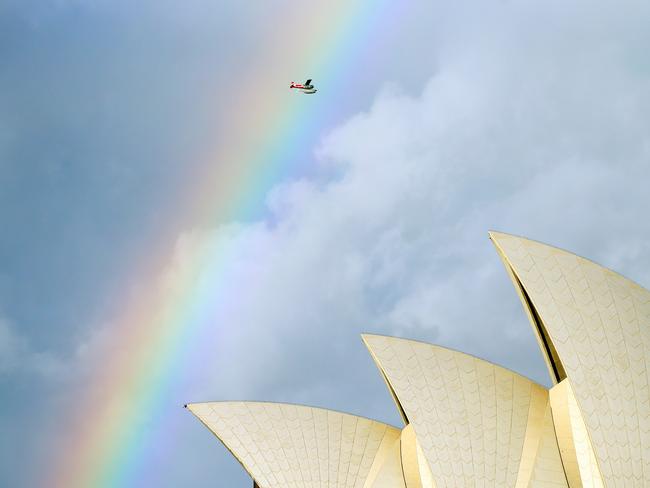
17 356
10 347
534 121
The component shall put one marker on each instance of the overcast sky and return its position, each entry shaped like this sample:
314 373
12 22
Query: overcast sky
531 119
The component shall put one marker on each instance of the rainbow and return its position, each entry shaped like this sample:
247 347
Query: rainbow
108 446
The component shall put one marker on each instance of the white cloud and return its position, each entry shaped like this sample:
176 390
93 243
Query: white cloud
522 134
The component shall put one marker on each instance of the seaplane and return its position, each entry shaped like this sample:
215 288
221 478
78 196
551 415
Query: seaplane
306 88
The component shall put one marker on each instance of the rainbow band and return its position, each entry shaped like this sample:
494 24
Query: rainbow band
107 447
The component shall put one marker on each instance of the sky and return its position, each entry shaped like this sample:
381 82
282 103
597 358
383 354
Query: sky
153 160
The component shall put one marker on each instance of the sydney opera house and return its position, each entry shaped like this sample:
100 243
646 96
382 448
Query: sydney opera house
471 423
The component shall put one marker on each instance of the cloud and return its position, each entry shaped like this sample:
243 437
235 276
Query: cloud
10 347
534 122
525 133
17 356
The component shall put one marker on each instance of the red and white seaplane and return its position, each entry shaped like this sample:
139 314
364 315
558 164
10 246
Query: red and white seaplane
307 88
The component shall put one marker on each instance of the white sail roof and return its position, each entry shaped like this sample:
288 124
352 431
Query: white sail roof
478 424
594 328
285 446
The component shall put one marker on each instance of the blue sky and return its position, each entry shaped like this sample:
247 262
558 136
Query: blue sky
530 119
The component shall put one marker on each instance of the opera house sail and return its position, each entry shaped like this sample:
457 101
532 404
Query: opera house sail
471 423
284 445
478 424
593 326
